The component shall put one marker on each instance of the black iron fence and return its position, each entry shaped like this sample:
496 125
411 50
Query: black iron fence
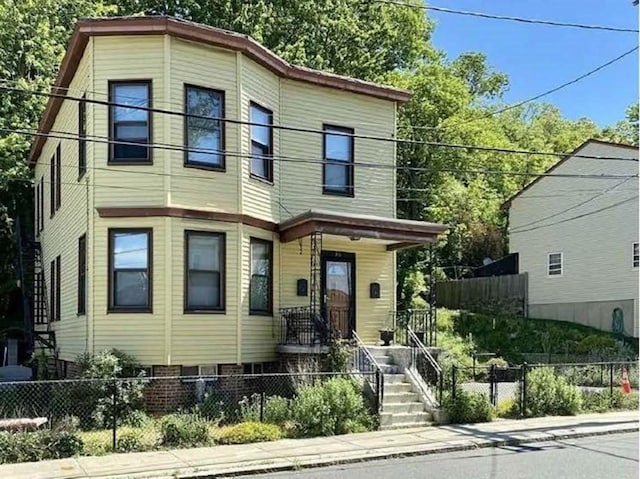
421 321
510 384
148 413
426 366
301 326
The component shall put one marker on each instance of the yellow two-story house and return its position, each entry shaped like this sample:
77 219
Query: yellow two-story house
201 203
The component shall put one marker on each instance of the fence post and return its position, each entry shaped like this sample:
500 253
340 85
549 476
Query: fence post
492 384
453 381
114 414
262 406
523 399
611 379
378 402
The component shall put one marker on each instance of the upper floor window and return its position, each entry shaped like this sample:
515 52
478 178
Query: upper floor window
52 186
261 142
338 158
204 271
636 256
58 176
202 135
130 269
82 134
260 288
82 274
130 126
555 264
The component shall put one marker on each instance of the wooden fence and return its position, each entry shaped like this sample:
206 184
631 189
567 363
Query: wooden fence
506 293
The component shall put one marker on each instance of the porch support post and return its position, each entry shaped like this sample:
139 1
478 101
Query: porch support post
315 272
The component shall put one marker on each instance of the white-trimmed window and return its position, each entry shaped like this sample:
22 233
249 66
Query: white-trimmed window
636 256
554 267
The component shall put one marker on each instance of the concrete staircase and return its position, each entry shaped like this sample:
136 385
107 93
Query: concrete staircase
401 405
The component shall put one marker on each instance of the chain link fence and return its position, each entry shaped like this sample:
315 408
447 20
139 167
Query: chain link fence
147 413
594 381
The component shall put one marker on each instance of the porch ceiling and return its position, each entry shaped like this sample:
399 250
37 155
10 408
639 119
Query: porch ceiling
403 233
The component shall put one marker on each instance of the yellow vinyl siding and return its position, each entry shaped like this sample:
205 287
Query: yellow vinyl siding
138 334
373 264
259 332
213 68
203 338
129 58
61 233
262 87
310 107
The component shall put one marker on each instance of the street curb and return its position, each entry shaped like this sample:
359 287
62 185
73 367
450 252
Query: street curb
489 443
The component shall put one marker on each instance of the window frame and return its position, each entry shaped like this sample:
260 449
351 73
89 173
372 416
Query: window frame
221 261
197 164
635 263
36 218
111 306
82 275
350 189
561 264
58 176
267 157
52 187
41 225
52 291
82 135
269 310
112 84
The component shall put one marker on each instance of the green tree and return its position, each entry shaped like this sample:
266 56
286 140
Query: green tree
625 131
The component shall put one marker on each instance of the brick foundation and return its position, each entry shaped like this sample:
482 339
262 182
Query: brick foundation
167 395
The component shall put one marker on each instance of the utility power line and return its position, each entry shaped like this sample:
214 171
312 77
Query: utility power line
69 136
402 141
552 23
573 218
536 97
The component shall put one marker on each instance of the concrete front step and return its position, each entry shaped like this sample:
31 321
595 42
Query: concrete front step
404 397
408 419
383 359
394 378
390 369
398 387
403 407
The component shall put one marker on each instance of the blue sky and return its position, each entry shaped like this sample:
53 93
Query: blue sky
538 57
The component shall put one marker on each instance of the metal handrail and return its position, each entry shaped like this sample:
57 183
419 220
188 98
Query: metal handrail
379 387
418 346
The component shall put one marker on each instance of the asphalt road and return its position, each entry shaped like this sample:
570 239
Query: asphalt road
614 456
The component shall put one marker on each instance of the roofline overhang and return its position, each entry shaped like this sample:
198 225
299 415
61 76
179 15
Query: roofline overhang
116 26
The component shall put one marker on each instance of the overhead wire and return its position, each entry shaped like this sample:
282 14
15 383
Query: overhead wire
389 139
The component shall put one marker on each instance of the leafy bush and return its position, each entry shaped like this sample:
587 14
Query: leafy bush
131 441
497 362
106 373
333 407
508 408
277 410
602 401
250 408
184 430
338 356
136 418
247 432
468 408
38 446
550 395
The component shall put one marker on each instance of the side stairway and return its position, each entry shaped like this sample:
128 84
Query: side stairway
401 404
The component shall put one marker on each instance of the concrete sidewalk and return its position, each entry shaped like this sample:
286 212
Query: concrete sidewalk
287 454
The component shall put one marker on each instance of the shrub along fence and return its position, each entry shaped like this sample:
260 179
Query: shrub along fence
139 414
548 389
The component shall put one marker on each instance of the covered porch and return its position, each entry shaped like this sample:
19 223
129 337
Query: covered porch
338 276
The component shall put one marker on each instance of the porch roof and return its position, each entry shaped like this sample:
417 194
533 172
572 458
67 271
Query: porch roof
402 233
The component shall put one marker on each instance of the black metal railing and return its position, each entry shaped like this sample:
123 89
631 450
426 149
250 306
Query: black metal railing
426 366
299 325
366 365
421 321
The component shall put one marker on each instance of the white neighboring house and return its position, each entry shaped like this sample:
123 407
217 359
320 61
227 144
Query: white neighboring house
577 238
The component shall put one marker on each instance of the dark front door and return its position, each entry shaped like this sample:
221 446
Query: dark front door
338 291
